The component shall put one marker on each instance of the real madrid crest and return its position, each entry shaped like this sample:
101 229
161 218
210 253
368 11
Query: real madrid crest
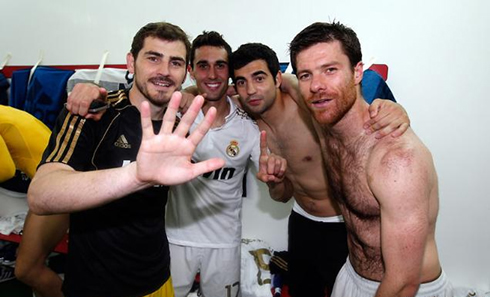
232 150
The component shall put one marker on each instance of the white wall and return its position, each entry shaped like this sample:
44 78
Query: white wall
437 52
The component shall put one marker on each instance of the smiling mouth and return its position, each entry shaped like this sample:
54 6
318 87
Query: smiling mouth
162 83
213 85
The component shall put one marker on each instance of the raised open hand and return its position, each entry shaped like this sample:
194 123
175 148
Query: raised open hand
165 158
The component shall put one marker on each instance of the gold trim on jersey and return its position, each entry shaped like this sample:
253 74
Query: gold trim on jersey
75 139
115 97
62 139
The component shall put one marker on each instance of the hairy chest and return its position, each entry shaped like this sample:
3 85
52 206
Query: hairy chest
348 179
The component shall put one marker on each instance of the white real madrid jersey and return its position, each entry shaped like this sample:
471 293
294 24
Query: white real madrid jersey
206 212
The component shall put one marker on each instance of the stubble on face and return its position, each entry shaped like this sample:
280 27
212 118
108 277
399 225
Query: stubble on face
210 70
159 70
344 99
264 94
328 87
158 97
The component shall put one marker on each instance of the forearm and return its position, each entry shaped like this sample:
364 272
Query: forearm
58 188
397 288
281 192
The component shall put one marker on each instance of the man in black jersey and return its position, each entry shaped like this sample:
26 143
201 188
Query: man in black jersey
112 175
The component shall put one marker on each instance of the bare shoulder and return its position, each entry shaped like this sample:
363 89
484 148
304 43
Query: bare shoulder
401 156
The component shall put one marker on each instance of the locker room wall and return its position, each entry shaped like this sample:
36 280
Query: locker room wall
437 52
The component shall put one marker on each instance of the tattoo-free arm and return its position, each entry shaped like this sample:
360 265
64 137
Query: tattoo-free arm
401 182
290 86
272 170
163 159
387 118
80 98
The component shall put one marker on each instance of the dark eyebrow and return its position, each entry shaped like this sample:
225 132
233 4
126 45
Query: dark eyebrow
221 62
160 55
259 72
153 53
256 73
200 62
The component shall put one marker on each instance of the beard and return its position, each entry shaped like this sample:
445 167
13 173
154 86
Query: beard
344 100
159 98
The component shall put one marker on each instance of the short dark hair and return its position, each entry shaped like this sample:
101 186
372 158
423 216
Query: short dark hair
250 52
326 32
160 30
210 38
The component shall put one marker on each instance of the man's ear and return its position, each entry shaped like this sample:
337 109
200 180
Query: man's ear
358 73
278 79
130 62
187 72
191 72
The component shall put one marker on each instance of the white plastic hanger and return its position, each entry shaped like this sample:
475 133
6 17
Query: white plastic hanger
98 75
5 60
289 69
33 69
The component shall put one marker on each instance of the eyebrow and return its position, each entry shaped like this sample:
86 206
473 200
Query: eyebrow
160 55
259 72
153 53
256 73
200 62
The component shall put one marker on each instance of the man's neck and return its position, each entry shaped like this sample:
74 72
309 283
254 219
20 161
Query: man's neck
222 110
275 115
136 98
350 127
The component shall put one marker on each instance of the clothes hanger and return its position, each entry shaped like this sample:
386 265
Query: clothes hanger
41 56
289 69
369 63
5 60
98 75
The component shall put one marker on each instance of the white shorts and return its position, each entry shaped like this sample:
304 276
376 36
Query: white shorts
219 269
349 283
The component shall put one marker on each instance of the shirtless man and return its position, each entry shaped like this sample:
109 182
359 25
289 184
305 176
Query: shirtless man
387 188
317 236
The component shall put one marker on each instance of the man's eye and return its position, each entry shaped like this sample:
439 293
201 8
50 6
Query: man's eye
177 63
304 76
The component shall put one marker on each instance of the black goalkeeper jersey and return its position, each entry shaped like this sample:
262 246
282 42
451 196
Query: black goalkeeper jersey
121 248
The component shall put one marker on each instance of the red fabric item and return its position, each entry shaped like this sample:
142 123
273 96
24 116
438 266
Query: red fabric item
381 69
